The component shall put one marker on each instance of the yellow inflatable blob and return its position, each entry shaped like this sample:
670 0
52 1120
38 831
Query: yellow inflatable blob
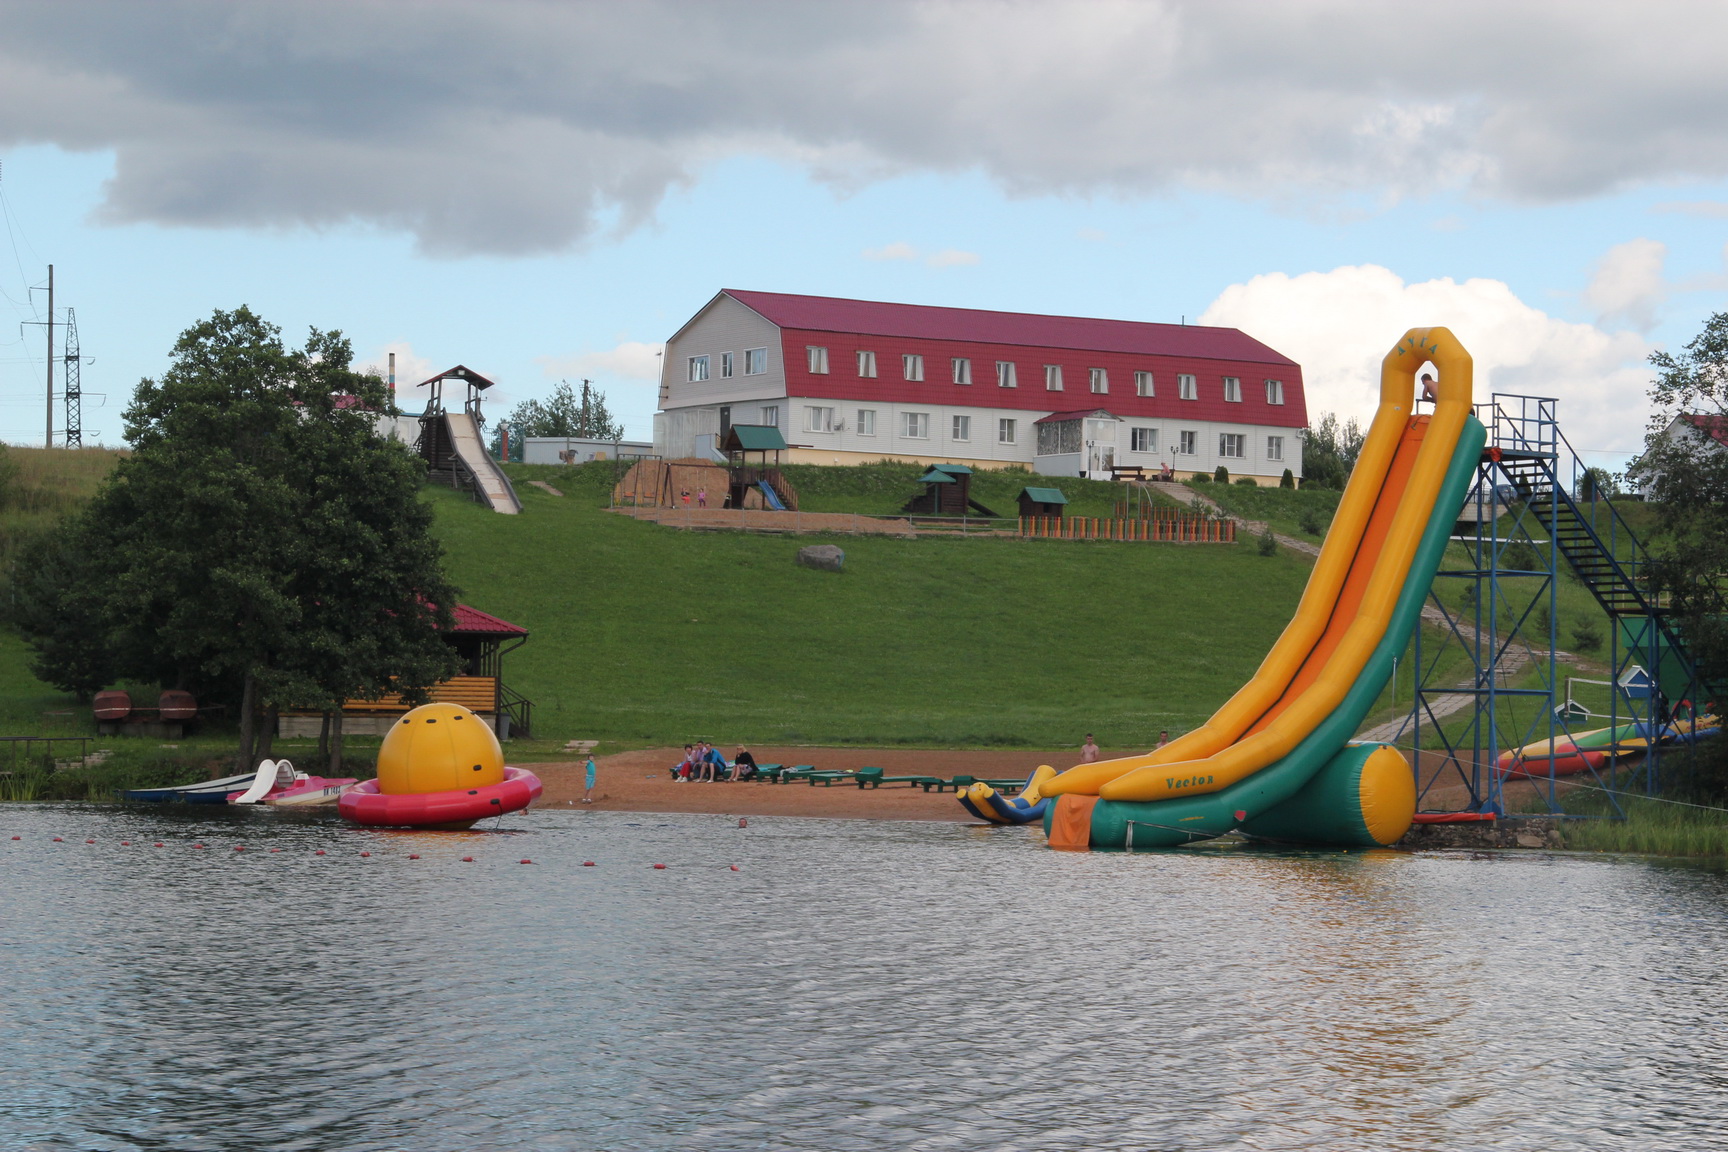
439 748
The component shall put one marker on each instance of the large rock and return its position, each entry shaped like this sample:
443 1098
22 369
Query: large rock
827 557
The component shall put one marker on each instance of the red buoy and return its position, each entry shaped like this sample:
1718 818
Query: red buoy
320 852
125 843
275 849
89 841
239 847
467 859
197 845
659 865
158 843
527 861
413 856
58 839
365 853
587 863
734 867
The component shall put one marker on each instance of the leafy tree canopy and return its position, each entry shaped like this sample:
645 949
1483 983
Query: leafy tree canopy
1329 452
262 540
566 412
1684 474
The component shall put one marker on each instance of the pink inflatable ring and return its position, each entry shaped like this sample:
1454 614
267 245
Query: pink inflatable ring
364 804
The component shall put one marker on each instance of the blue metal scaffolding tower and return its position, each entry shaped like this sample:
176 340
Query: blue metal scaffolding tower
1534 515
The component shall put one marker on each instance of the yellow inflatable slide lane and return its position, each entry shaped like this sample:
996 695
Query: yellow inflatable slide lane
1386 515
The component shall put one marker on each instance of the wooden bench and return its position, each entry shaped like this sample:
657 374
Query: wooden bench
1127 472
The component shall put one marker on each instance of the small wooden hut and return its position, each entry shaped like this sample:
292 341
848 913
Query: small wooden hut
1042 502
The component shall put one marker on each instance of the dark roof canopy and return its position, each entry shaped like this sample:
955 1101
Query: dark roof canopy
461 372
754 438
1044 495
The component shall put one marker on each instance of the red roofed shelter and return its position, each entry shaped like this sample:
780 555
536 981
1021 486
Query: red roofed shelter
850 381
481 640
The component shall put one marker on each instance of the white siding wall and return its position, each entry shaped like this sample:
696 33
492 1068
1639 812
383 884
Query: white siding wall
725 326
1254 461
889 440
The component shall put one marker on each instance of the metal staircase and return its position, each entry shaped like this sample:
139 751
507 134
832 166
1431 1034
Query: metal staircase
1534 505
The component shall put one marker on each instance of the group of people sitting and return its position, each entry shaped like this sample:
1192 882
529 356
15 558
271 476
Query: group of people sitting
704 763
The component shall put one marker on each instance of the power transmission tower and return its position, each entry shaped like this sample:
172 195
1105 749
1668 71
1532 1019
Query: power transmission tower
74 384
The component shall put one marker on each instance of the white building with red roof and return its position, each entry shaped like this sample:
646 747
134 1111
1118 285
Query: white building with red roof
851 381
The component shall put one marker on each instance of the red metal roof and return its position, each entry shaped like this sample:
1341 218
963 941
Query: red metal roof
1716 427
920 321
473 620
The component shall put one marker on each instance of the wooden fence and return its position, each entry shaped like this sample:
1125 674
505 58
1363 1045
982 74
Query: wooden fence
1179 528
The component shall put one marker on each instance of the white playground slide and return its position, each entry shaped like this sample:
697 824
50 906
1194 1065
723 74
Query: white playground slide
494 485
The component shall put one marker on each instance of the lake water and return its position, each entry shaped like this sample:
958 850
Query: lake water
853 985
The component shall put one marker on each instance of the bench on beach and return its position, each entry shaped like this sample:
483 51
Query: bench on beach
873 778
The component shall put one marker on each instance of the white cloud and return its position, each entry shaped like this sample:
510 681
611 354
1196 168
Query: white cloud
1339 325
631 361
899 250
518 126
951 258
1627 285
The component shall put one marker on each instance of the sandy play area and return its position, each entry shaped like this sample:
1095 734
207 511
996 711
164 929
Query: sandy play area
638 782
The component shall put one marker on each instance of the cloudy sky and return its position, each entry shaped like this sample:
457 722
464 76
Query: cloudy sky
547 190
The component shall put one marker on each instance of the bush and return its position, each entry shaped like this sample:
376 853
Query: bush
1221 475
1246 482
1268 543
1586 636
1202 478
1310 522
1288 480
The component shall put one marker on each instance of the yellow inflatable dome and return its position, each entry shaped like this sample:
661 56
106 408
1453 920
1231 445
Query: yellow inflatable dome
439 748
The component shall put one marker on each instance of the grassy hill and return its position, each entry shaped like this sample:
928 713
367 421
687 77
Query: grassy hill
644 633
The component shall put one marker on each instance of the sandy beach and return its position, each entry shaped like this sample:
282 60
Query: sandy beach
639 782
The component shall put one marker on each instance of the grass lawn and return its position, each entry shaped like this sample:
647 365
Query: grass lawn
647 634
1304 513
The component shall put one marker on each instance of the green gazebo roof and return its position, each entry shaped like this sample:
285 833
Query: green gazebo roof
1044 495
754 438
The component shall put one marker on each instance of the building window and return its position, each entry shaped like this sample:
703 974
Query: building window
820 419
1274 391
755 361
1143 439
962 428
1059 438
725 365
912 367
866 421
867 365
962 370
1233 389
917 425
1143 384
1230 445
1004 431
698 368
1190 442
1100 380
1005 374
771 415
1052 377
1186 387
1274 444
816 359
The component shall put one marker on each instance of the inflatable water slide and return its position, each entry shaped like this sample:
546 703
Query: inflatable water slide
1276 760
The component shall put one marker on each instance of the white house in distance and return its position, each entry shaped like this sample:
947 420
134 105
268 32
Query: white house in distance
852 381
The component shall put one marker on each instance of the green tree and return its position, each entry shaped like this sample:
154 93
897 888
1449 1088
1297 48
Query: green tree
1329 451
1684 475
564 413
262 541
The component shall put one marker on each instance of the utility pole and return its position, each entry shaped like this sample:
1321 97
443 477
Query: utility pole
49 442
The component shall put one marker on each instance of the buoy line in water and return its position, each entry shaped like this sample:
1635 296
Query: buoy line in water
366 853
